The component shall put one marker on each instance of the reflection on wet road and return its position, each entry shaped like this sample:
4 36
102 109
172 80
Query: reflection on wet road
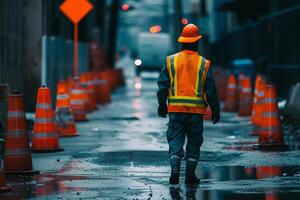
121 153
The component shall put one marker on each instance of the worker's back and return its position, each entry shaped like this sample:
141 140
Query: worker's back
187 71
185 87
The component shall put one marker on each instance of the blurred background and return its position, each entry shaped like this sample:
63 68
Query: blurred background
262 35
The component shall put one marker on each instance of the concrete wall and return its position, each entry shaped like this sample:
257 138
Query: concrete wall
32 34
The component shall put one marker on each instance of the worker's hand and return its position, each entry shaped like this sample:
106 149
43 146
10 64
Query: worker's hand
215 117
162 110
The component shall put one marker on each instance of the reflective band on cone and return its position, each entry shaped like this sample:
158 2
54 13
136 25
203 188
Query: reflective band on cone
17 156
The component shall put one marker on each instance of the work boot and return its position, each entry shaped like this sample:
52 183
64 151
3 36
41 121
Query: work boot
175 166
190 176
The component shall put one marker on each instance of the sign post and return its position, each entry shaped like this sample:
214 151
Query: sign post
75 11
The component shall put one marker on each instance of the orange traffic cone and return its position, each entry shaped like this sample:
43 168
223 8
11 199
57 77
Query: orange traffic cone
270 131
231 98
65 121
257 105
45 137
3 186
104 88
17 156
87 82
77 100
245 100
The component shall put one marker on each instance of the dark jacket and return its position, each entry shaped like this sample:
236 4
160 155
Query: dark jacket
210 89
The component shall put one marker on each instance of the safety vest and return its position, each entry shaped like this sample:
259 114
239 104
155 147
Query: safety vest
187 71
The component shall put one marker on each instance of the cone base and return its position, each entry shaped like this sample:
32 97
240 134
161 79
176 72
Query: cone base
46 150
271 147
29 172
5 188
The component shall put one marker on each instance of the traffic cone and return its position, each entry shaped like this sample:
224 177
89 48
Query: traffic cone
87 82
3 186
17 155
65 121
45 137
270 131
77 100
257 105
70 84
231 95
104 88
245 100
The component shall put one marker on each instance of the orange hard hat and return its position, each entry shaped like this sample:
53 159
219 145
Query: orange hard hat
190 34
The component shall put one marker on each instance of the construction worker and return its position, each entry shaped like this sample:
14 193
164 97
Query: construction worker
187 84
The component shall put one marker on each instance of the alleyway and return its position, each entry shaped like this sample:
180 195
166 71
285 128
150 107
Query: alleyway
121 153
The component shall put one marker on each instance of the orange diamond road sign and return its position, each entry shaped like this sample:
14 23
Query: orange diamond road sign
75 10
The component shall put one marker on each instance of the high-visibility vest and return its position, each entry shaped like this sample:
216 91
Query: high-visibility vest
187 71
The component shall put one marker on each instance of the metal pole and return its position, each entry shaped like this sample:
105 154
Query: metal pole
44 60
75 50
112 33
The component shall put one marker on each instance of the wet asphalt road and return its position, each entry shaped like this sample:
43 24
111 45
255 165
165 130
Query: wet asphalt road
121 153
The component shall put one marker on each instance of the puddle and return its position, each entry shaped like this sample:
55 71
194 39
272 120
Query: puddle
129 118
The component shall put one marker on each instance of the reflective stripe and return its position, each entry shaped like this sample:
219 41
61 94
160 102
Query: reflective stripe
17 152
62 96
270 128
43 106
16 133
270 100
186 101
246 90
101 82
77 102
270 114
45 135
192 159
77 92
260 94
175 156
44 120
200 76
231 86
172 70
14 114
